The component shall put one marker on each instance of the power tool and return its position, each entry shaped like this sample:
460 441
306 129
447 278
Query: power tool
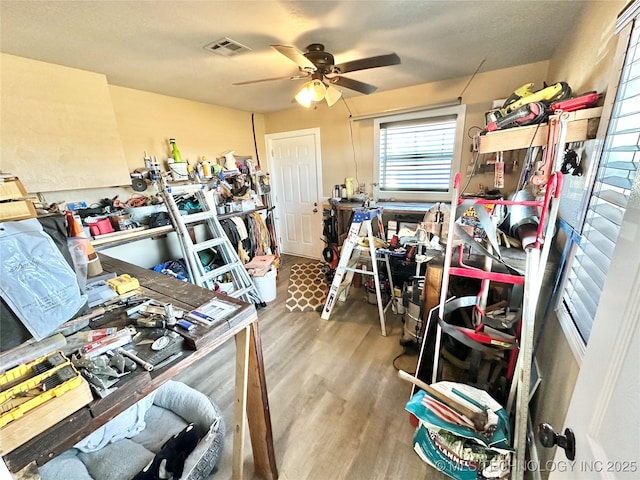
525 115
582 101
525 95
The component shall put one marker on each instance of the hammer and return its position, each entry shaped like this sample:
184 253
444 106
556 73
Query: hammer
479 419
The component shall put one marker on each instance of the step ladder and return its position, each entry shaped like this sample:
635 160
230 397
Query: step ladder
530 280
349 257
244 288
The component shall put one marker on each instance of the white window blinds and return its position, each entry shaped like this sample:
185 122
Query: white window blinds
616 172
417 155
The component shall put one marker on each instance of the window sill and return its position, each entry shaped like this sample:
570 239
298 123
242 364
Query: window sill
576 344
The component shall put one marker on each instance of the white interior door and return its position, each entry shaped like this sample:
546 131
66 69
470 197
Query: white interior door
294 161
604 412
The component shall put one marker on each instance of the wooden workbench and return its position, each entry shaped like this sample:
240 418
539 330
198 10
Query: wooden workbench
251 402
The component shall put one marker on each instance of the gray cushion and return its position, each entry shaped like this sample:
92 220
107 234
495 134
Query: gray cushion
174 406
66 466
153 438
119 460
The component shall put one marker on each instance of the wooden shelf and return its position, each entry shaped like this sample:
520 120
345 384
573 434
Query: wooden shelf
118 238
582 125
222 216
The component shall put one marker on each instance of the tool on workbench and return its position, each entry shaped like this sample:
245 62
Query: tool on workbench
148 337
123 283
144 364
111 342
168 360
149 322
169 314
121 363
242 281
29 370
82 321
30 350
39 381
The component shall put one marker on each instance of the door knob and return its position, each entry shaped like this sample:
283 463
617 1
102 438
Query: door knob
548 438
315 210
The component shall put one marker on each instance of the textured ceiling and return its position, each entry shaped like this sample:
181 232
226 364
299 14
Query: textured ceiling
157 45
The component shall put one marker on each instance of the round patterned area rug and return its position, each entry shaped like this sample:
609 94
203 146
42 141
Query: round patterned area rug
307 287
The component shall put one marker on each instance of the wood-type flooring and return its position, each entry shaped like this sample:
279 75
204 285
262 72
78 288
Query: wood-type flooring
337 404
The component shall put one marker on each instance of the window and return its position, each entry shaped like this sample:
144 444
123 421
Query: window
417 154
620 158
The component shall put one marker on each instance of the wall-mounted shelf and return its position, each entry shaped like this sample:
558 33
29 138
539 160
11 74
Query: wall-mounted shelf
222 216
583 125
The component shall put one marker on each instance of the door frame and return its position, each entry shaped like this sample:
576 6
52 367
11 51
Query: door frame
268 138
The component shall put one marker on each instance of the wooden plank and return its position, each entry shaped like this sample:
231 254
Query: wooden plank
578 129
431 290
259 416
130 390
240 401
119 238
39 419
18 210
11 188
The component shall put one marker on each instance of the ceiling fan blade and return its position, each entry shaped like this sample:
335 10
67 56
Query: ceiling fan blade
295 55
353 85
289 77
370 62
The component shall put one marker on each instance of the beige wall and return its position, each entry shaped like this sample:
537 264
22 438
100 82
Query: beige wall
146 121
584 57
58 127
584 61
338 159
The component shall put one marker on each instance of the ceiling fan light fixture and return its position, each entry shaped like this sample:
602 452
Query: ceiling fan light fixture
316 91
332 95
313 91
305 96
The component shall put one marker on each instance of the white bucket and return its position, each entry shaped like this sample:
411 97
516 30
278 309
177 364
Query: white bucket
226 287
266 285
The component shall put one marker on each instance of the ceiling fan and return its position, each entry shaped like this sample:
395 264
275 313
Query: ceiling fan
319 67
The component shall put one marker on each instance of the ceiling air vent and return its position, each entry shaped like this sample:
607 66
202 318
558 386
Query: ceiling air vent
226 47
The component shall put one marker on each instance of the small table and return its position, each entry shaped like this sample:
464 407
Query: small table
251 402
